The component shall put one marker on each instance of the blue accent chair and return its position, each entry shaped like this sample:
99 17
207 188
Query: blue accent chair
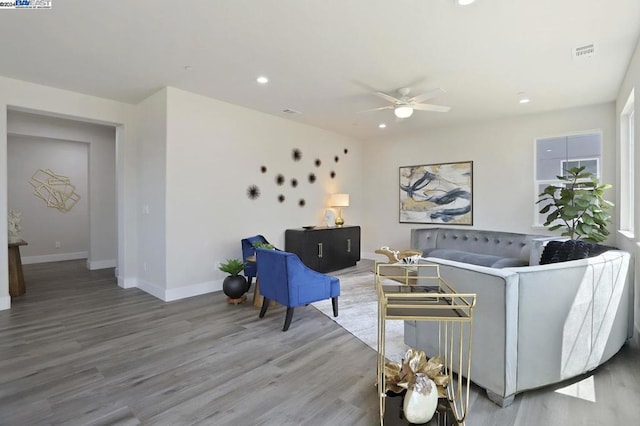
285 279
248 250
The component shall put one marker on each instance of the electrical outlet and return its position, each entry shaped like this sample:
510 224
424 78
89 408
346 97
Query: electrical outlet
58 244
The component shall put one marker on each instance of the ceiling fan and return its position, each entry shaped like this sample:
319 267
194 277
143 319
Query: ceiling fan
403 106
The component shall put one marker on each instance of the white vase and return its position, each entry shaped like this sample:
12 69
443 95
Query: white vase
421 400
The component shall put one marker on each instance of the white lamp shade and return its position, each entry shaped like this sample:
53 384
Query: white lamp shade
403 111
339 200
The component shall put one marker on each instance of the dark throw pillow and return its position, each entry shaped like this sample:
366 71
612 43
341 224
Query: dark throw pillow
561 251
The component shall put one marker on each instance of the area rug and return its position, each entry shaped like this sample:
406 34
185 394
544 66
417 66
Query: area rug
358 314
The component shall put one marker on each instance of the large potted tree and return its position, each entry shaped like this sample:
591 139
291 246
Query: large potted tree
577 206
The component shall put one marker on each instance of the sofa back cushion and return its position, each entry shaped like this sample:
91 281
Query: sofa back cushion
494 243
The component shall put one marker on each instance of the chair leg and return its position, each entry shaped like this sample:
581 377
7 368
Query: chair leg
263 309
334 302
287 320
249 279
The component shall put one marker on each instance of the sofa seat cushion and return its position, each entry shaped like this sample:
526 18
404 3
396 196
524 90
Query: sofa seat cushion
476 258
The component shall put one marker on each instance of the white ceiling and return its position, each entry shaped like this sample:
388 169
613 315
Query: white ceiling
324 58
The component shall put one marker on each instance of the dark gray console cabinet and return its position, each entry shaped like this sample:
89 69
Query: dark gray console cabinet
325 249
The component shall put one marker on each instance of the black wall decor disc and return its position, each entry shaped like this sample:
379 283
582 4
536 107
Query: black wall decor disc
253 192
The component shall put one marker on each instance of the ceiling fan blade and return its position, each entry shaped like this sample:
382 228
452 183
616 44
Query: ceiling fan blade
428 95
388 97
378 109
430 107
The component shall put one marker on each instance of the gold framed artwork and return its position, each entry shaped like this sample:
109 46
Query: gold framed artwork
437 193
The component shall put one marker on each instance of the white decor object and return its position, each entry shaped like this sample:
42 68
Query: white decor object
329 218
13 226
421 400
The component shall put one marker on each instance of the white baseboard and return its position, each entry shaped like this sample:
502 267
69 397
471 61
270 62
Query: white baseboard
127 282
373 256
5 303
192 290
151 288
171 294
54 257
92 265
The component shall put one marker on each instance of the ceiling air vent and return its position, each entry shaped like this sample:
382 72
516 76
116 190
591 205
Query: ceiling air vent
290 111
583 52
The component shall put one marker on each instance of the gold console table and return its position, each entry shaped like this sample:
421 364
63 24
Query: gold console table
425 296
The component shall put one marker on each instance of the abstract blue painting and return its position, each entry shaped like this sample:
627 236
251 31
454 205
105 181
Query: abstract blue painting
437 193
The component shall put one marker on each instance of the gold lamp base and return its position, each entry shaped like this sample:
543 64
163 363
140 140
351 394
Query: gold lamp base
339 221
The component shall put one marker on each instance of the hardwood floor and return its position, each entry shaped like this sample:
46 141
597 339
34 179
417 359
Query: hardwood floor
78 350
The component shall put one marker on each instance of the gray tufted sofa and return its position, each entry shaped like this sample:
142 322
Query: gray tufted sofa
533 325
494 249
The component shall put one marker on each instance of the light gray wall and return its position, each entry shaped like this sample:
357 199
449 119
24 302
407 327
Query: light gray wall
99 196
35 98
215 151
502 152
43 226
151 210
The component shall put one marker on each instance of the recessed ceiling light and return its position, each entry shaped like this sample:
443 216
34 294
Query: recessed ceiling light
523 98
262 80
382 126
464 2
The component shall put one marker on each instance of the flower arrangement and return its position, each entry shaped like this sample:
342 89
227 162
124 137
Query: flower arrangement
400 376
13 225
423 380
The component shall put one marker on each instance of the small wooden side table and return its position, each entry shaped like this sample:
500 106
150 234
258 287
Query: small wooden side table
257 297
16 277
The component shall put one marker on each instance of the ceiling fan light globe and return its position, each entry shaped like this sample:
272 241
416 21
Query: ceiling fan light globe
403 111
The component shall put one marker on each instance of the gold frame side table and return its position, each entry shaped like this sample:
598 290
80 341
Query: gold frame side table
425 296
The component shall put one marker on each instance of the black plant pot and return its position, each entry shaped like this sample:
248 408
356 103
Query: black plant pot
234 286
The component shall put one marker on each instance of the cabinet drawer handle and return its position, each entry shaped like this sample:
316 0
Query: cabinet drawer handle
348 245
320 250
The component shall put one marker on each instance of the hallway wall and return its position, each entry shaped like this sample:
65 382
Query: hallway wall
85 153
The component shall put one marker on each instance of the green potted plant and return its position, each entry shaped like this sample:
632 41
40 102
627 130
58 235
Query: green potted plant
262 244
235 285
577 207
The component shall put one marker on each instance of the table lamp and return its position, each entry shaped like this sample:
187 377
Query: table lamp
339 200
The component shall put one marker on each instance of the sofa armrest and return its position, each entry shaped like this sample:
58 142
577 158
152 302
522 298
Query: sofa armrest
573 316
